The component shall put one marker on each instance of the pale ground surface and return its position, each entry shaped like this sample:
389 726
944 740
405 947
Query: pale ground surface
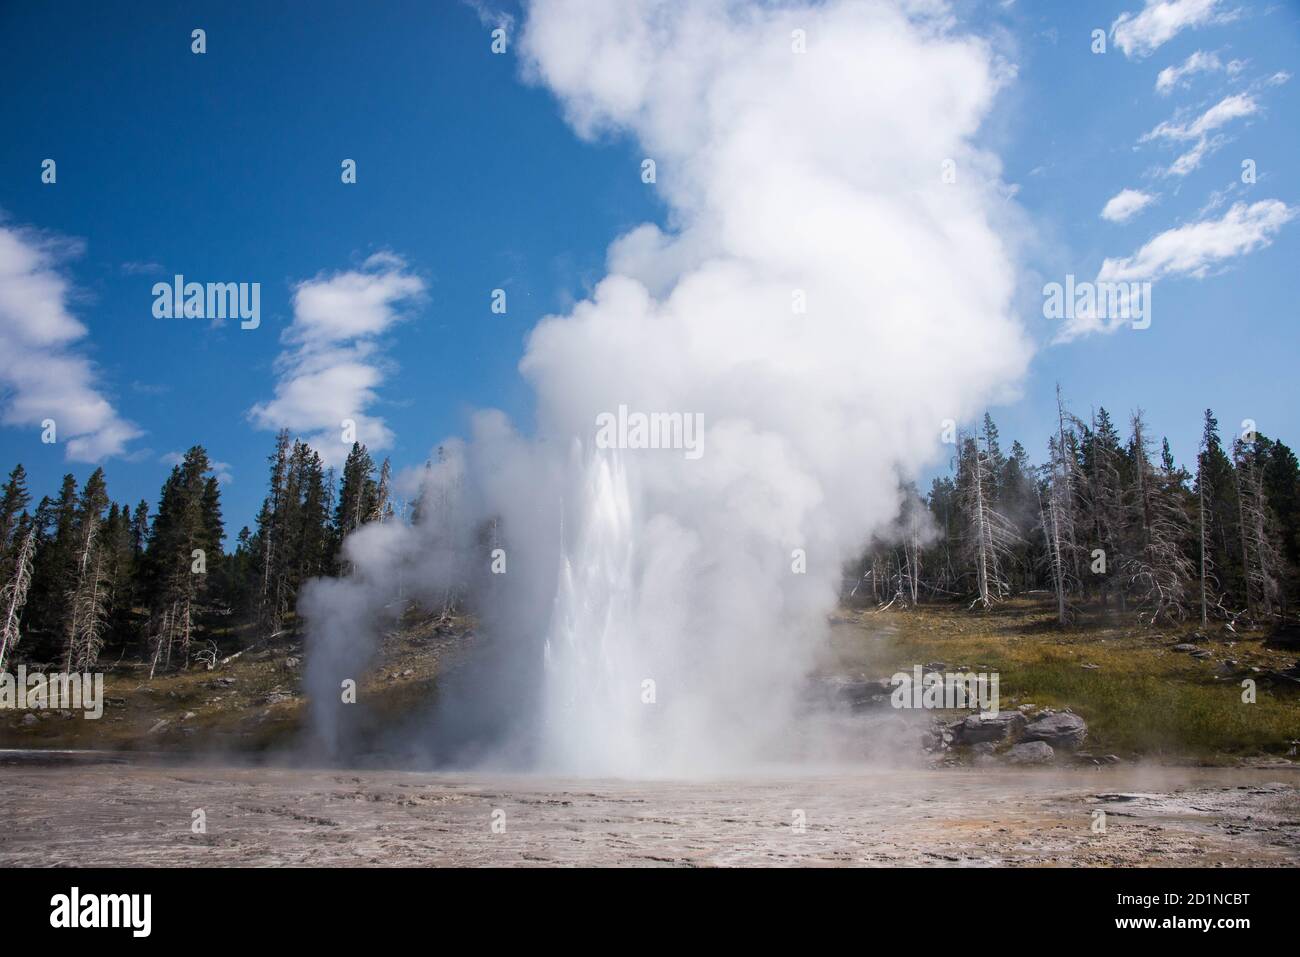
99 814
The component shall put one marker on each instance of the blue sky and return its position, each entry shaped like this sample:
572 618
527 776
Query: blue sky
226 167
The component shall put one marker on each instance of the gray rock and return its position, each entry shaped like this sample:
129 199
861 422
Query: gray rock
1031 752
29 719
1060 730
1004 726
856 693
1185 647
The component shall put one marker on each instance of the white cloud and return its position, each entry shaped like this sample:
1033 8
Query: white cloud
1126 204
492 16
40 373
1190 250
1225 111
1141 34
1173 77
334 364
1193 249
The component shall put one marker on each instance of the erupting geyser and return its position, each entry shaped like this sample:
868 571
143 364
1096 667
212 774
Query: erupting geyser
825 298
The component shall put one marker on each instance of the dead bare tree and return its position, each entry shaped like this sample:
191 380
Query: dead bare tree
990 535
1159 570
13 596
87 600
1261 557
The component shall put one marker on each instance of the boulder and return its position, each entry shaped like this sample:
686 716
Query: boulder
1031 752
1003 726
1061 730
856 693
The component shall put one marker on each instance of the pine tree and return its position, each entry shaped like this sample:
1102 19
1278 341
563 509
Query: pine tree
186 531
1101 500
52 561
314 535
358 495
271 524
1217 482
994 459
1282 489
13 501
140 530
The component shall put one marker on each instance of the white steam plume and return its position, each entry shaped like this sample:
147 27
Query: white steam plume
792 177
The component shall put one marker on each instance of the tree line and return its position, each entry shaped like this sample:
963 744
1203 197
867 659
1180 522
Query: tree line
1108 522
83 576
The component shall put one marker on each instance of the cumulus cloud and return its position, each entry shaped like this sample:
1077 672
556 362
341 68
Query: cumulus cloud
1159 21
1195 248
1126 204
41 373
334 364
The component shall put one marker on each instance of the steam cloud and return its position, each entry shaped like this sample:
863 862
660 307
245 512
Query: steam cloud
813 176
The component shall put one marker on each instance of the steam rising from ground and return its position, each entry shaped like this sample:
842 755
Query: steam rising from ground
791 177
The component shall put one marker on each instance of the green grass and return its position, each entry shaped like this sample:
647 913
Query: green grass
1142 699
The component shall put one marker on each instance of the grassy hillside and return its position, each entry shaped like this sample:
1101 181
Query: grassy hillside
1138 695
